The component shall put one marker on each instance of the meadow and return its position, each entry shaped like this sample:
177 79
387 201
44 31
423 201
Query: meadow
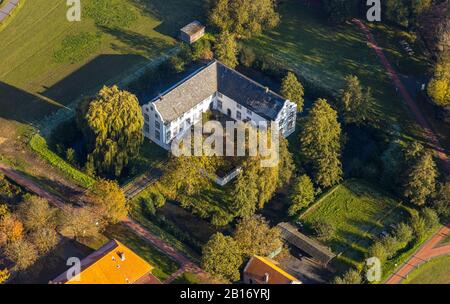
48 61
359 212
436 271
323 54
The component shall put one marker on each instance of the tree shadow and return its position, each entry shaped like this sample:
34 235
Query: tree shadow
174 14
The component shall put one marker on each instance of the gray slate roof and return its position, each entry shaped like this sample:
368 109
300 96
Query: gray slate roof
214 77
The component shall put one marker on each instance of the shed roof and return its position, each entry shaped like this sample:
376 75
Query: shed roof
294 237
193 28
258 267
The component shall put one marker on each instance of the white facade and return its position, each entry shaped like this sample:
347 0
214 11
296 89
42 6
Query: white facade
162 133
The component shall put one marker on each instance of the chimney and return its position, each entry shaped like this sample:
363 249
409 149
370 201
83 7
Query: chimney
121 256
266 278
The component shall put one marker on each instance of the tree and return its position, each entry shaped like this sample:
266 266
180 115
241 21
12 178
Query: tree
320 141
44 239
11 229
350 277
421 180
202 50
442 201
226 49
293 90
115 121
434 27
286 164
244 18
439 85
323 229
4 275
71 156
80 223
339 11
110 200
391 245
302 195
396 11
22 253
355 103
418 225
185 175
430 217
221 257
36 214
254 237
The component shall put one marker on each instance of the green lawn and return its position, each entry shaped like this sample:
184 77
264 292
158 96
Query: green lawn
358 212
35 81
325 54
436 271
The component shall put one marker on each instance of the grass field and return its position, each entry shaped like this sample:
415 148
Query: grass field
358 212
436 271
35 81
325 54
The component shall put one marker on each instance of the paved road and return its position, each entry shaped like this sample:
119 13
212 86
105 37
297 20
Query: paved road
428 250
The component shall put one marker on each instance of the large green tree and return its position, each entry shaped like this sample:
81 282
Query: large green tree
320 141
421 179
439 85
293 90
255 237
222 257
115 121
109 200
355 103
226 49
302 194
244 18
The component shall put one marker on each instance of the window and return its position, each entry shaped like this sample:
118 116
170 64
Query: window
219 94
151 109
157 125
188 121
238 115
146 117
157 135
249 118
168 135
249 112
219 104
239 106
146 127
156 116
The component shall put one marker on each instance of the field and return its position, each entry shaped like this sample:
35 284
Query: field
436 271
51 62
358 212
324 54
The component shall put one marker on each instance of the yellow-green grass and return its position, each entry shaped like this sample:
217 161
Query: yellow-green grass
436 271
33 83
359 212
324 54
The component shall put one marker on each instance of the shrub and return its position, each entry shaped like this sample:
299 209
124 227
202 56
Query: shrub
377 250
403 232
76 47
323 230
220 219
202 50
148 206
38 144
419 226
158 199
247 57
350 277
177 64
391 245
71 156
430 217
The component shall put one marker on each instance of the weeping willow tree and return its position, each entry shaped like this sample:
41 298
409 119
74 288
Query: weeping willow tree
114 119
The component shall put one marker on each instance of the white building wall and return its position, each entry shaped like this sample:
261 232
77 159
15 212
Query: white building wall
219 102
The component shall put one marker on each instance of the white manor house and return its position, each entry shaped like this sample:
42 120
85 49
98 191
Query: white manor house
214 87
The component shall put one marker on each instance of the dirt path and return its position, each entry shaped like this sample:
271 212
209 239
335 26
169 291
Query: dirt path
417 113
430 249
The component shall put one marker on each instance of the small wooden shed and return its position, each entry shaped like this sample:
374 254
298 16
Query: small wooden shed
192 32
